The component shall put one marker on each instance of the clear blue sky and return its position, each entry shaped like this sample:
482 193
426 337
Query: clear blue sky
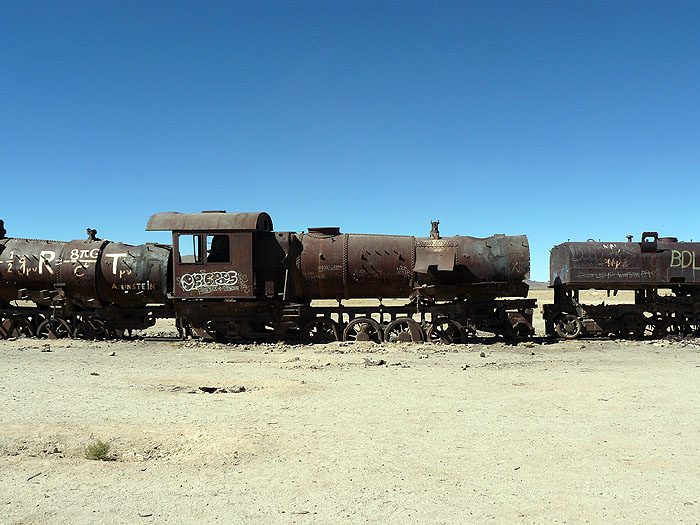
561 120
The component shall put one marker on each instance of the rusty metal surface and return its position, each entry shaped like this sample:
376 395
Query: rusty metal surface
174 221
493 266
88 273
440 253
133 275
322 265
31 265
380 265
78 271
352 265
654 262
209 280
384 266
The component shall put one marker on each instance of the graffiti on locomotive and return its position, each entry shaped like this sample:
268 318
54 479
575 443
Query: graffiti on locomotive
209 282
606 255
683 259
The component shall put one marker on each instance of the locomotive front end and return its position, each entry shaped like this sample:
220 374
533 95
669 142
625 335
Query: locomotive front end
495 266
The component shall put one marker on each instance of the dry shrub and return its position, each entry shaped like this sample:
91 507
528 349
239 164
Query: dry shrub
98 451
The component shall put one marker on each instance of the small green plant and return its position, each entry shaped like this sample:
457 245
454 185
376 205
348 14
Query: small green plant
98 451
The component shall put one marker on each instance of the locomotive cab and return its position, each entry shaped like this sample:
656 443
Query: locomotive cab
212 252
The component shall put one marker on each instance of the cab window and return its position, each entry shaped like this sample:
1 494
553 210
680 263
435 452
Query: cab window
218 249
190 248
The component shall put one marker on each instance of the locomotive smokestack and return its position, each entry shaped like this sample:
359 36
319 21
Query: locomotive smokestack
92 235
2 229
629 238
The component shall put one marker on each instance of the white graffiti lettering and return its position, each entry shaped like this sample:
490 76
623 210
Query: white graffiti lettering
139 287
115 257
209 282
45 257
619 275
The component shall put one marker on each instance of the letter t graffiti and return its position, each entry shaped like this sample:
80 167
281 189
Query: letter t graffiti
115 257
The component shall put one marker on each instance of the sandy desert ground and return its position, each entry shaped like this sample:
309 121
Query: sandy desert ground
594 431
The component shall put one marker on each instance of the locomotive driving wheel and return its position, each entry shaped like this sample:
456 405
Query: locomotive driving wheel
446 331
403 330
632 326
16 326
693 327
687 325
363 329
663 327
320 330
91 328
568 326
54 328
5 324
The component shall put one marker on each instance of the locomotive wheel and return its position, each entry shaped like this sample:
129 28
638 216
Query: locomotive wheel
23 327
403 330
632 326
16 326
521 332
446 331
649 328
119 333
37 319
5 326
693 328
90 329
54 329
688 326
320 330
363 329
568 326
662 328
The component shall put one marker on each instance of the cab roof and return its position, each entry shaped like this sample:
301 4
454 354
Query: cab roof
209 221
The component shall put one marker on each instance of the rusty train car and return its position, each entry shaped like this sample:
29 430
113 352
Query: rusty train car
649 267
81 288
231 275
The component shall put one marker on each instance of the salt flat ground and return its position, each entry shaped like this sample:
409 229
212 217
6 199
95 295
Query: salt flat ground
567 432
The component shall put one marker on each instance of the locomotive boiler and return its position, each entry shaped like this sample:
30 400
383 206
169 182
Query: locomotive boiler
650 267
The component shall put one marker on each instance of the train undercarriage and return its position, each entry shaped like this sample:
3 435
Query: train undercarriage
59 323
650 316
417 321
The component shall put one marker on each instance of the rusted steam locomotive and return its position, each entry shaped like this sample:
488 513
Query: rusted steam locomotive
84 288
230 275
648 267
